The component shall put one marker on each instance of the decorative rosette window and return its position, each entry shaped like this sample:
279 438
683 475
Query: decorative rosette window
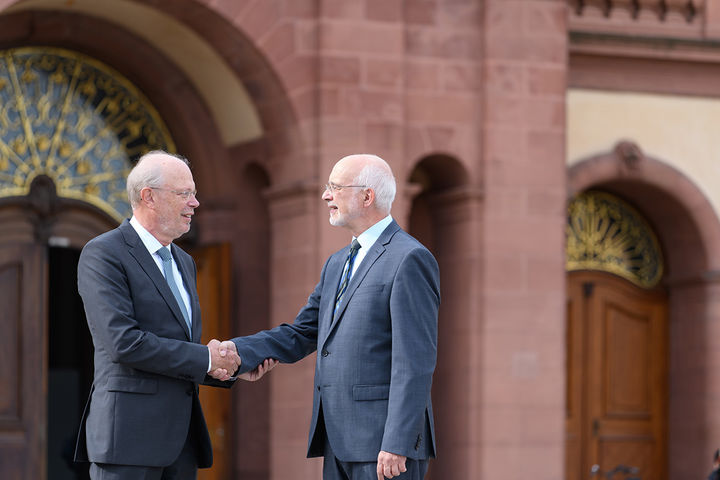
75 120
605 233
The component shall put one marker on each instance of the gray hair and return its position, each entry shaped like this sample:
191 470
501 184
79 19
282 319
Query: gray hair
382 181
143 176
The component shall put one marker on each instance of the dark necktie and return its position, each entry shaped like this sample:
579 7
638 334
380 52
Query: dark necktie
164 253
347 273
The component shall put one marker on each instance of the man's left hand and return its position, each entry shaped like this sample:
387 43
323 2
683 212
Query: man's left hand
390 465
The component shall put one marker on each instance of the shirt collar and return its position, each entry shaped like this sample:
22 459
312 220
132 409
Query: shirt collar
151 243
368 238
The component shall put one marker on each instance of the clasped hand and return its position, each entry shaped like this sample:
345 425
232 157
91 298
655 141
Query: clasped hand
225 361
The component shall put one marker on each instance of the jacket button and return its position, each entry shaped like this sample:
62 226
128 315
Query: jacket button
325 353
318 388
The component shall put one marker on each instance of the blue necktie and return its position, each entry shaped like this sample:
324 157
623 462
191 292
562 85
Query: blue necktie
347 273
164 253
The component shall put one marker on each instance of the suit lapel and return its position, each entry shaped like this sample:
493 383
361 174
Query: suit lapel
377 249
137 249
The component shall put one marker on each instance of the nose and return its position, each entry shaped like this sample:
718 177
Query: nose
327 195
193 201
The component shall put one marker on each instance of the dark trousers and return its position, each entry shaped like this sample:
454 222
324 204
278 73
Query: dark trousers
183 468
334 469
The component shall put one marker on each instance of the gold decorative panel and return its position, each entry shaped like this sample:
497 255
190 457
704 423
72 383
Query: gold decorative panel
75 120
605 233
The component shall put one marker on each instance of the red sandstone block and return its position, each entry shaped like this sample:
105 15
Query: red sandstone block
354 9
337 69
508 201
341 133
385 73
546 18
441 137
547 145
421 12
505 271
550 50
297 71
299 8
504 141
546 113
306 37
543 273
422 75
443 43
384 136
504 17
442 108
279 43
260 18
329 101
361 37
505 110
461 77
551 80
506 78
385 10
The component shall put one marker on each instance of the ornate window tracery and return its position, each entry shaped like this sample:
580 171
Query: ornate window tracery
77 121
605 233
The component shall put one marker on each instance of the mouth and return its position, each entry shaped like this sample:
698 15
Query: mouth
188 216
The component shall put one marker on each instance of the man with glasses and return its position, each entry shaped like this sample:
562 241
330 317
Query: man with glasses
143 419
373 320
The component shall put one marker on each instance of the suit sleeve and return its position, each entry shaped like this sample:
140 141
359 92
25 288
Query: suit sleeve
105 289
286 343
414 304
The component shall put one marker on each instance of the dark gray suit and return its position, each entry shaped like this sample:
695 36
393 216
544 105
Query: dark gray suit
144 397
376 360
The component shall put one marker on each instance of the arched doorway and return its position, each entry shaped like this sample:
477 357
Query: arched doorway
617 347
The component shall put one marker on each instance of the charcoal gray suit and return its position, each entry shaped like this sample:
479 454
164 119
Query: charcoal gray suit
144 398
375 360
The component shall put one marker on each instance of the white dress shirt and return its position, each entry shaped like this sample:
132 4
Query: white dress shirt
153 245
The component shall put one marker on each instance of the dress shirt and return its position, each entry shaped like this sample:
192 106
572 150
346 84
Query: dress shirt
368 238
153 245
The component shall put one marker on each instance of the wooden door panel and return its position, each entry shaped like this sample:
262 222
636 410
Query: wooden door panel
22 362
213 281
628 343
617 376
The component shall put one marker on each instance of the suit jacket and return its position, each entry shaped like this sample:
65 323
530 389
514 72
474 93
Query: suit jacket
144 396
375 362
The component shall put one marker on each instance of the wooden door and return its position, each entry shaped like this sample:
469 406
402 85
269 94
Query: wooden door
23 371
617 377
213 281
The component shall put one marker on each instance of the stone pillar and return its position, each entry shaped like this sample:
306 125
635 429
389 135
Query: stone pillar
522 369
295 270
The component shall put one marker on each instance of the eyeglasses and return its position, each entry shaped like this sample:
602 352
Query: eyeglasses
185 194
336 188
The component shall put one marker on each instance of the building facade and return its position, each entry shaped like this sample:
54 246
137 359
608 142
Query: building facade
559 157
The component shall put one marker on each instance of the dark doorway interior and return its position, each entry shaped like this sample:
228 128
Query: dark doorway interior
70 368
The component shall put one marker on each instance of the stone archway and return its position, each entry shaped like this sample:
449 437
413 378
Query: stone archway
689 232
440 217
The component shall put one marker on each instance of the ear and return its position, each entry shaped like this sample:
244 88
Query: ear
369 197
147 197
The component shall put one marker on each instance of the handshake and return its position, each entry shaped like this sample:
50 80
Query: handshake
225 361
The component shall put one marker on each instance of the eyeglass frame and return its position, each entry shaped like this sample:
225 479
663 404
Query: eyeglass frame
336 188
185 194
